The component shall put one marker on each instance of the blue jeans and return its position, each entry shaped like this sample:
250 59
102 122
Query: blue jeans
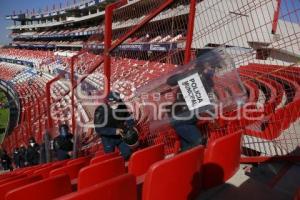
110 143
188 133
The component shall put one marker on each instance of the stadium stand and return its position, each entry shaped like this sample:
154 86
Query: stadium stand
139 44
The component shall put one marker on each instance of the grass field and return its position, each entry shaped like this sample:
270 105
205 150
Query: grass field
4 115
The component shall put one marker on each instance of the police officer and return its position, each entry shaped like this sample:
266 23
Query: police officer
22 155
33 152
6 161
183 120
16 157
111 120
63 143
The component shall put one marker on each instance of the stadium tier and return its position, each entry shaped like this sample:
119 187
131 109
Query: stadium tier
241 59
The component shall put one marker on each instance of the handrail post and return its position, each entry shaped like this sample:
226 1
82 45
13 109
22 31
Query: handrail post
276 17
107 44
190 32
72 95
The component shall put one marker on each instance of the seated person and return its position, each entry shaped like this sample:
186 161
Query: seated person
111 121
63 143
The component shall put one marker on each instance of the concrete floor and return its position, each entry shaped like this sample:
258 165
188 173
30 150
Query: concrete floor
261 183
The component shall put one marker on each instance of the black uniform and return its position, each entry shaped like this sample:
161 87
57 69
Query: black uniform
63 143
22 156
107 131
33 153
184 120
16 157
6 161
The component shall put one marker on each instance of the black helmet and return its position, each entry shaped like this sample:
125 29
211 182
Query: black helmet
131 137
63 129
114 96
212 56
31 140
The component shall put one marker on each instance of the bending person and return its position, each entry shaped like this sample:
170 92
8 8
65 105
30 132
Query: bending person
63 143
111 120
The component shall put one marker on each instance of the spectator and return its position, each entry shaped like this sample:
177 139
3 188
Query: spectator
63 143
33 153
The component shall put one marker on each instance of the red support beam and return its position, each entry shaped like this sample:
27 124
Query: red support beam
72 95
276 17
263 159
107 42
190 32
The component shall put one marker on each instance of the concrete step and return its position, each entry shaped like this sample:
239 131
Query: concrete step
273 181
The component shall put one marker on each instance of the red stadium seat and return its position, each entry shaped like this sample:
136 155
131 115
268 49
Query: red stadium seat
4 188
297 196
62 162
100 172
104 157
45 171
176 178
141 160
99 153
71 170
7 175
78 160
30 171
121 187
221 160
46 189
11 178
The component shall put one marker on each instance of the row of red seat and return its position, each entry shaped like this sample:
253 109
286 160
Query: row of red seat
277 79
180 177
37 57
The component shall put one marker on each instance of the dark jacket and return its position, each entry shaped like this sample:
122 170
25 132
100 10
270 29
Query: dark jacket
105 122
63 145
22 156
33 154
6 161
16 157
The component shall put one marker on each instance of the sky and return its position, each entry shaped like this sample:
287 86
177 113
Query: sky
8 6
